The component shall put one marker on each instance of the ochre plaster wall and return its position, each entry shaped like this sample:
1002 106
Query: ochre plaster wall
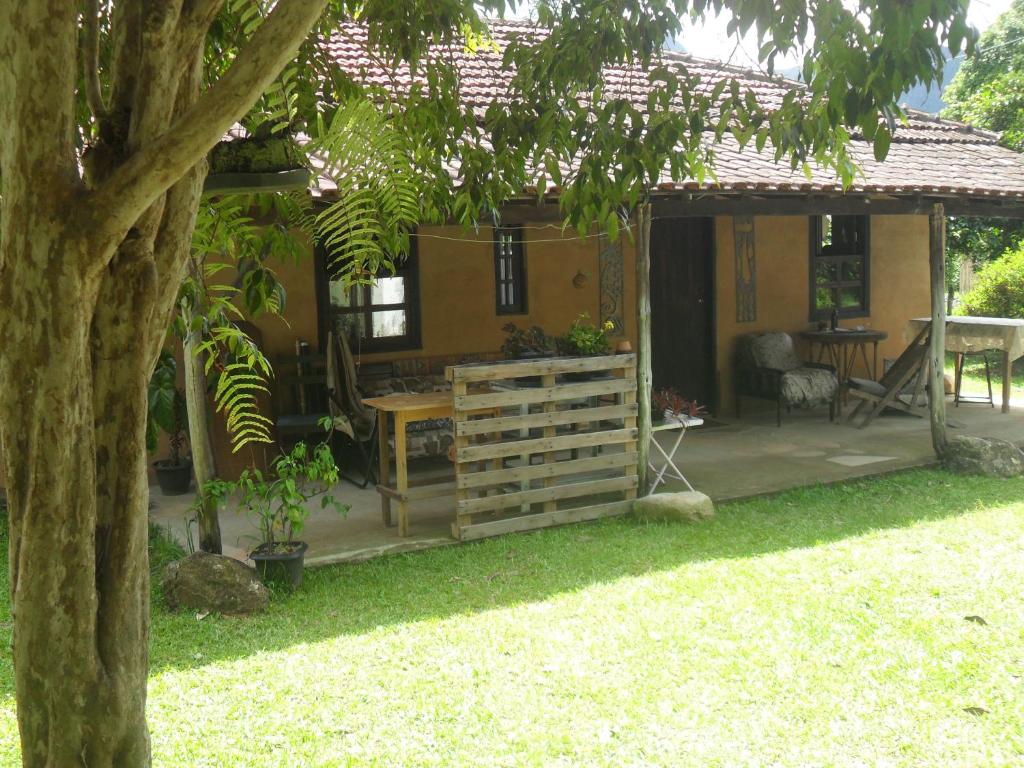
456 278
457 312
898 274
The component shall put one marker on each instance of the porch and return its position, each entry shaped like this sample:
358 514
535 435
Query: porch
727 459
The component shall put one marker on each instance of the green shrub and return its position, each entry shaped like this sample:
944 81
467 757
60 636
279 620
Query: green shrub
999 288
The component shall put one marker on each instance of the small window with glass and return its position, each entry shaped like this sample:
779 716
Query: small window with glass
383 315
509 271
839 266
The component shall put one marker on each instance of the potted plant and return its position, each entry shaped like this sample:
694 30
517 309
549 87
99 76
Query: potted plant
525 344
167 414
528 344
674 407
278 501
584 339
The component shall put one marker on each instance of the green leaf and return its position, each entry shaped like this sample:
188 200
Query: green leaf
882 141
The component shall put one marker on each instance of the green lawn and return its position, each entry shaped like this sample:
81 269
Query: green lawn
819 627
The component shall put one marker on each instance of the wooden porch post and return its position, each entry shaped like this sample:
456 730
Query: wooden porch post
937 356
643 346
199 441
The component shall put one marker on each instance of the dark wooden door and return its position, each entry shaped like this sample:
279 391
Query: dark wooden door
682 307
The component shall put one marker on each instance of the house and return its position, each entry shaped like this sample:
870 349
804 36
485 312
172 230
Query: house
760 247
753 249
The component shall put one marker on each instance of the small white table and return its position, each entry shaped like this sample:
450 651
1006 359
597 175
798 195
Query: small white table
669 468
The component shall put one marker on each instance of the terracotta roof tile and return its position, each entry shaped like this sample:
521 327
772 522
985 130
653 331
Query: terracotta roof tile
926 155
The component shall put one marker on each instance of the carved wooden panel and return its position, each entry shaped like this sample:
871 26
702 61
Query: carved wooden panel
746 269
610 268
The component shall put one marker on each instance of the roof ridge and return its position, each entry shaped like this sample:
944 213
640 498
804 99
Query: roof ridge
956 125
671 54
752 73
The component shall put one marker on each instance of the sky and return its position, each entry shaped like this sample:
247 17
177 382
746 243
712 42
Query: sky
708 40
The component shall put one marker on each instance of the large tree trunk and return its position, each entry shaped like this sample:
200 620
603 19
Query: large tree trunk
89 272
72 413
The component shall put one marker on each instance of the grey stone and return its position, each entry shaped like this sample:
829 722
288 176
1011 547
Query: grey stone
968 455
686 506
214 583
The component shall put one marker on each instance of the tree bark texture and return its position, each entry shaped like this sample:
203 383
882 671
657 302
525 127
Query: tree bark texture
90 265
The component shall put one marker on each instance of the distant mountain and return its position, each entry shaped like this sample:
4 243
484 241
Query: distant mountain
921 97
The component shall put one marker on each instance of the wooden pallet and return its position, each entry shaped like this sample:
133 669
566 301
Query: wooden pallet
531 455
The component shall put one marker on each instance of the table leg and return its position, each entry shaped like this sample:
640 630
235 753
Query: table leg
660 476
384 475
1007 378
401 474
669 464
821 351
838 357
958 376
864 356
671 459
874 367
851 361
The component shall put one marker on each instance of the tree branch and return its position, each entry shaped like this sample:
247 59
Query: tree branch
91 58
196 18
155 166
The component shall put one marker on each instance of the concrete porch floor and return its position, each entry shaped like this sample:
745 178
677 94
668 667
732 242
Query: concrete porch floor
736 459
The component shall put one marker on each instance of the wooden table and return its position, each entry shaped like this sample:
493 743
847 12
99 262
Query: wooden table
842 347
406 408
977 334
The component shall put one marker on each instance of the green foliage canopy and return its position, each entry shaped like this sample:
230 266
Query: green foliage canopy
988 91
999 288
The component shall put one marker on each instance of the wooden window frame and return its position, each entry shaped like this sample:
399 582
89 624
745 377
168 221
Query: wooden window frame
412 338
517 264
817 255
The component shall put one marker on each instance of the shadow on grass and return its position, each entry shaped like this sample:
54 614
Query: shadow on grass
434 585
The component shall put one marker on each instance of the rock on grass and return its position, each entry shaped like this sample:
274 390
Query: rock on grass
214 583
968 455
686 506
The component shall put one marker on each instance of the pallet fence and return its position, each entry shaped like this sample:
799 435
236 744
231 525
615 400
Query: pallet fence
543 442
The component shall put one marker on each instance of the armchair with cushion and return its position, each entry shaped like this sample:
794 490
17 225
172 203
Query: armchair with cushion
768 367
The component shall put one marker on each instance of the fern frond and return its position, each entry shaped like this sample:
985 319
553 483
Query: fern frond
379 191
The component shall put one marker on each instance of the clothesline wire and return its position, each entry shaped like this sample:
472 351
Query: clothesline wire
589 236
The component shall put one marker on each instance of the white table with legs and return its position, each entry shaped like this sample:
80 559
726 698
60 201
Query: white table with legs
1004 335
669 468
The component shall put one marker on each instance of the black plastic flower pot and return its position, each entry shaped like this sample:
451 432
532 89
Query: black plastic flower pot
281 566
174 479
